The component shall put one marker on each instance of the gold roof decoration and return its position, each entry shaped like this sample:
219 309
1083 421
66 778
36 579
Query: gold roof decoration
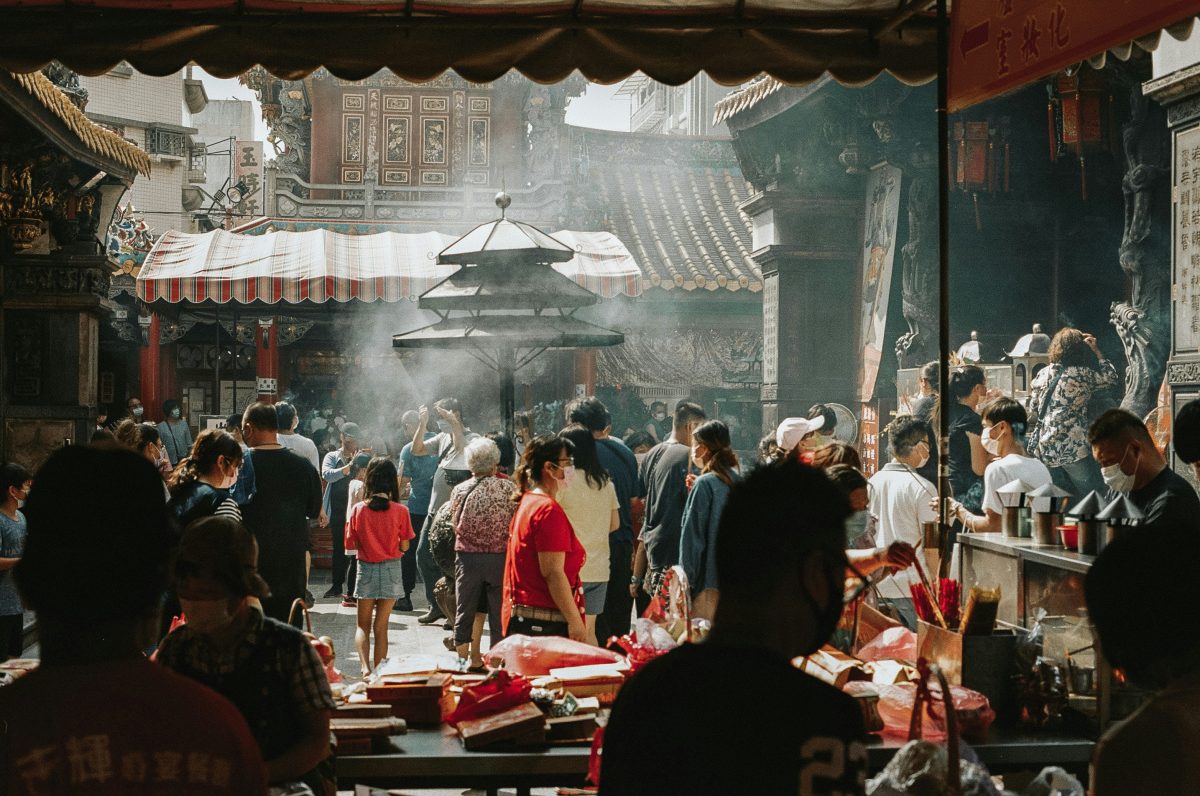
93 136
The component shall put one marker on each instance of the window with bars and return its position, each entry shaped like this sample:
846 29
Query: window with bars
160 141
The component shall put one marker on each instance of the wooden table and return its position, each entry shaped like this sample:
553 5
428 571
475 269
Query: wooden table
435 758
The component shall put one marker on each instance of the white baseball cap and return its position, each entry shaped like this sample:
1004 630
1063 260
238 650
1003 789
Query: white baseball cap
794 429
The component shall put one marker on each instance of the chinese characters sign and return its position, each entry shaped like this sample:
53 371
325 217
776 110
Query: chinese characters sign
1186 230
1000 45
879 250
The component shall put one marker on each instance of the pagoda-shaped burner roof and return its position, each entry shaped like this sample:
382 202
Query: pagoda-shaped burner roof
505 241
510 286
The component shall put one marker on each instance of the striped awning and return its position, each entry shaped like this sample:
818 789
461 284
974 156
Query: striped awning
320 266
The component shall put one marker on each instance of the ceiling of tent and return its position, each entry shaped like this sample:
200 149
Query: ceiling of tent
795 41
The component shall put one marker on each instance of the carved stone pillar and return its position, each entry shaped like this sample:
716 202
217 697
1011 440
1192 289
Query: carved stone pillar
1144 322
1179 92
807 249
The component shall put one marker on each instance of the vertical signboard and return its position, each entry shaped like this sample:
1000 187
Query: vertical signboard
1185 292
879 251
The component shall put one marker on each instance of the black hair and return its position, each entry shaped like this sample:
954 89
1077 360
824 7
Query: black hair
588 412
636 439
1186 435
381 477
653 404
774 518
1151 633
846 477
768 448
1006 410
232 422
96 516
102 435
826 414
929 372
586 458
449 404
210 445
1118 423
508 451
714 435
539 451
835 453
13 475
965 378
145 434
285 413
905 432
262 416
170 405
686 412
523 420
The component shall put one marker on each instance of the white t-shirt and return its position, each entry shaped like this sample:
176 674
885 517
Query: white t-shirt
1006 469
353 498
900 499
303 446
457 460
590 511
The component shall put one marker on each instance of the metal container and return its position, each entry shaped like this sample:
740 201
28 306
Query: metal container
1025 523
1089 536
1010 521
1044 528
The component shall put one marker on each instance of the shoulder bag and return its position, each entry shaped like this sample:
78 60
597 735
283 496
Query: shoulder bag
1033 435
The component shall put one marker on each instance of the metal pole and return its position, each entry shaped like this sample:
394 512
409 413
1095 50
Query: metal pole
506 362
943 122
217 362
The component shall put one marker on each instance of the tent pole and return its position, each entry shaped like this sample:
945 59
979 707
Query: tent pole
217 362
944 399
506 360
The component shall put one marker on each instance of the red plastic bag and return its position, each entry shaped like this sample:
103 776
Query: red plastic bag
534 656
893 644
975 714
499 692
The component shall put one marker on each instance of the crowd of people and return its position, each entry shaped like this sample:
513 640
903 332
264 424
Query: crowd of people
564 533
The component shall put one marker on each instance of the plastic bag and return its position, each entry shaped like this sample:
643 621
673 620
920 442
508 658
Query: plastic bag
893 644
495 694
646 642
975 714
920 767
533 656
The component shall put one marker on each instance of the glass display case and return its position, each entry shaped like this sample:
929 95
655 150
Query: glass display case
908 388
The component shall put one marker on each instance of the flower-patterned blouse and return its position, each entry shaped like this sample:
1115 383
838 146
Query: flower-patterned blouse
481 510
1062 431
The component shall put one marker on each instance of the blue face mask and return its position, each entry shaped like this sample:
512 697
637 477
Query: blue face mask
857 524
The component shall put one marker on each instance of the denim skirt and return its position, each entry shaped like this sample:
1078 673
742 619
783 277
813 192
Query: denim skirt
380 580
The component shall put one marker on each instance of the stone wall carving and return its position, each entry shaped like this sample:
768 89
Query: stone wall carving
1143 323
919 275
45 278
1184 373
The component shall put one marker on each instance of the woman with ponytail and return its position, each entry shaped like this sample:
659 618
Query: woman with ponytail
200 485
379 530
543 594
712 453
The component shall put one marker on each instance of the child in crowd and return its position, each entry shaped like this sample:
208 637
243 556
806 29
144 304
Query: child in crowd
379 530
15 482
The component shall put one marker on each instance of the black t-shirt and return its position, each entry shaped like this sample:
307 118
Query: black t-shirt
1168 501
287 495
622 468
963 420
708 718
664 481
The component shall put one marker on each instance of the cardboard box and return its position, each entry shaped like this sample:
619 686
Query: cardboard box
832 666
524 722
982 663
417 700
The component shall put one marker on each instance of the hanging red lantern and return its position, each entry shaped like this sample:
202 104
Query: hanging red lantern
1080 117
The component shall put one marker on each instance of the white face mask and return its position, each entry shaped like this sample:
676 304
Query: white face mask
207 616
1117 479
990 445
568 475
137 411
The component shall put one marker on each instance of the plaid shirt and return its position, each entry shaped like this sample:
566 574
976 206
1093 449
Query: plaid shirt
272 674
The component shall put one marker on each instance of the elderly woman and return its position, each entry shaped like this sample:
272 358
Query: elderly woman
1060 397
481 509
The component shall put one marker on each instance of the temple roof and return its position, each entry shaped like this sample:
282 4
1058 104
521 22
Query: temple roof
95 138
673 202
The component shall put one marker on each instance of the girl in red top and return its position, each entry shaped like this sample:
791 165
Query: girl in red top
543 595
379 529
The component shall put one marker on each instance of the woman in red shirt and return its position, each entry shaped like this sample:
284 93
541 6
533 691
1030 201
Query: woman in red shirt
379 529
543 595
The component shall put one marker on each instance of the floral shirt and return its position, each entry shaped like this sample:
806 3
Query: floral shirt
1062 428
482 509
